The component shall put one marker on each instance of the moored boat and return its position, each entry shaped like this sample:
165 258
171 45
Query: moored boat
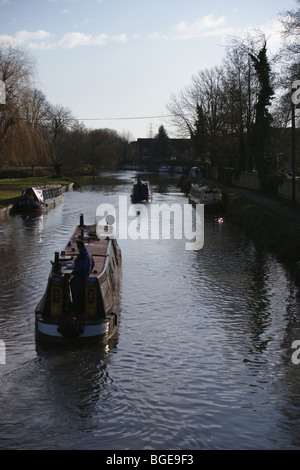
141 191
95 317
39 198
210 196
163 168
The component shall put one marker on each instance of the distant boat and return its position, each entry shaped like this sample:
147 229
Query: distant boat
141 191
210 196
99 301
163 168
39 198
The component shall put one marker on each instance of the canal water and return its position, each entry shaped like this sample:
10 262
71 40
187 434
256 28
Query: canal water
203 358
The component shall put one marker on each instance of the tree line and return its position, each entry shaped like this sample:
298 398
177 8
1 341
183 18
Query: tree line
229 111
36 132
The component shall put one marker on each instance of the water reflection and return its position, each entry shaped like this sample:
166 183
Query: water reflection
79 377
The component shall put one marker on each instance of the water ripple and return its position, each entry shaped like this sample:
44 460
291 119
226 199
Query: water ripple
202 359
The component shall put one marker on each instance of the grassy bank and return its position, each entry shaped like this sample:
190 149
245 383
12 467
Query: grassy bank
279 234
11 189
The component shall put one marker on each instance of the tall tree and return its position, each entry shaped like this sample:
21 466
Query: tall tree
263 119
161 147
240 92
199 135
206 93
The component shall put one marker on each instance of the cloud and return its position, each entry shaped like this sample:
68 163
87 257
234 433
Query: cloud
70 40
31 39
44 40
157 35
74 39
205 26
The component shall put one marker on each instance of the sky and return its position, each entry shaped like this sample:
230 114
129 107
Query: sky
116 63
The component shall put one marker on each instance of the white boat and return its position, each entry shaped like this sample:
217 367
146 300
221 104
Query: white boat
39 198
210 196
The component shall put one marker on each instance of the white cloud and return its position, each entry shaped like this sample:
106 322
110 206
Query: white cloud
44 40
120 38
205 26
70 40
157 35
28 38
63 12
74 39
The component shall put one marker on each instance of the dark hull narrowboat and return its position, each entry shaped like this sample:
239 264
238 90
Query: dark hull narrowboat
141 191
98 316
210 196
39 198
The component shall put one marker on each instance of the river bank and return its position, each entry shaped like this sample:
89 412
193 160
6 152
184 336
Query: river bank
272 221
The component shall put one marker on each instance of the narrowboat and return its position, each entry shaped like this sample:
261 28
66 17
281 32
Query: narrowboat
141 191
96 315
39 198
210 196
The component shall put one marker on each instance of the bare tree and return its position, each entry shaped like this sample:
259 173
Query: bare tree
60 119
288 59
290 53
241 91
206 93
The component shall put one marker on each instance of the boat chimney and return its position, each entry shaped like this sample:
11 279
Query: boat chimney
56 262
81 221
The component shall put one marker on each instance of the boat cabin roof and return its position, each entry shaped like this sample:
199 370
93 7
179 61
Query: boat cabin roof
206 189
